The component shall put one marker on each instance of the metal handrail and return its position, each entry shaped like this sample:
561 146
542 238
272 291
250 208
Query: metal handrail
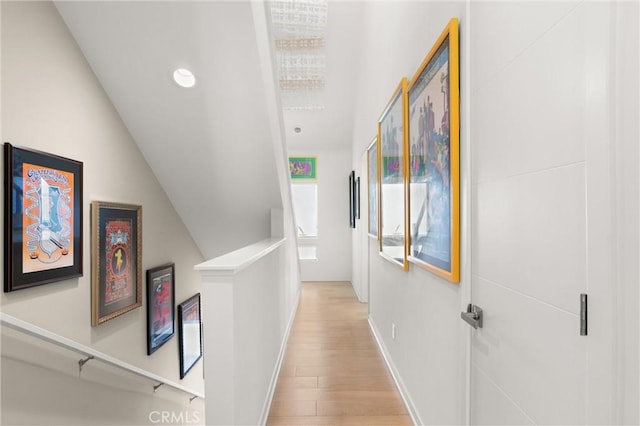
90 353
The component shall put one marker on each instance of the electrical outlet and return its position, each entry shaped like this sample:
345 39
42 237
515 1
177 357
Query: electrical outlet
393 331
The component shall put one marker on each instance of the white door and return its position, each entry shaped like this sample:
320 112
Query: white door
541 213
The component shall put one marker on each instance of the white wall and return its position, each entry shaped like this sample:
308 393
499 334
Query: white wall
360 238
429 354
51 101
429 350
627 130
334 236
41 386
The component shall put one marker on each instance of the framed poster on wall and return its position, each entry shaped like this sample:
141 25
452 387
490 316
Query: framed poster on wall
42 218
116 260
393 187
372 183
160 306
357 197
302 168
434 139
352 199
190 328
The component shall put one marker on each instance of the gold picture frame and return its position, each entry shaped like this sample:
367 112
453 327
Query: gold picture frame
392 163
116 260
373 188
433 143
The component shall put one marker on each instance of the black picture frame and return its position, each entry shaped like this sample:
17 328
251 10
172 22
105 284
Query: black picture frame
352 203
357 201
116 260
160 306
42 244
190 333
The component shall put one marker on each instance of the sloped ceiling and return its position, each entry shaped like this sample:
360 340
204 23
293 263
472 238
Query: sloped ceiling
209 145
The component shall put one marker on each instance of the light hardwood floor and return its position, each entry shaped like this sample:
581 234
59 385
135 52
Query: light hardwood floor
333 373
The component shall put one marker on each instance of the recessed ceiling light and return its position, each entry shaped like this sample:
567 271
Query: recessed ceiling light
184 77
297 129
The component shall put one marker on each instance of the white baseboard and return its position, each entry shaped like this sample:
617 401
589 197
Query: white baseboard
360 299
406 398
276 372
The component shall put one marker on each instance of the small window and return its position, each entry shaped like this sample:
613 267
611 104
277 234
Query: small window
305 208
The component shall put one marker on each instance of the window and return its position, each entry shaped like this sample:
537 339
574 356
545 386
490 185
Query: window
305 208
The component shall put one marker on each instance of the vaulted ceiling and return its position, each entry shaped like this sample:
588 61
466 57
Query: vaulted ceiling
210 146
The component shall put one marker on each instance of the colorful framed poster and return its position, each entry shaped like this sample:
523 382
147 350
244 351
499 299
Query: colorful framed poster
372 182
302 167
434 176
42 218
116 260
393 178
160 306
190 326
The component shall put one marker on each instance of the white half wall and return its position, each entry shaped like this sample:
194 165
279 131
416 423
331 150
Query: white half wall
248 321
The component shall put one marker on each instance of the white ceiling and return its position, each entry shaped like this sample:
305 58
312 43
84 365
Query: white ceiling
208 145
332 127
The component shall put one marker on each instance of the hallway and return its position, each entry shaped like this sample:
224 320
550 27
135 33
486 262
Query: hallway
333 373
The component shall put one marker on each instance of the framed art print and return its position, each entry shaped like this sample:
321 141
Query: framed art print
352 199
372 182
302 167
357 197
393 188
434 135
190 327
42 218
160 306
116 260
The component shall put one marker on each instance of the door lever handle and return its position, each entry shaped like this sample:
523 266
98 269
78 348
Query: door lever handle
473 316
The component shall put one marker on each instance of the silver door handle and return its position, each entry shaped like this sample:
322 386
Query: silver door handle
473 316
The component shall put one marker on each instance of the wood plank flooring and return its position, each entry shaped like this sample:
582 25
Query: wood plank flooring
333 373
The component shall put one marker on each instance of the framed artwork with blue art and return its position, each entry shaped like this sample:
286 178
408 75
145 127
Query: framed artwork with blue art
393 222
42 218
372 182
434 159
